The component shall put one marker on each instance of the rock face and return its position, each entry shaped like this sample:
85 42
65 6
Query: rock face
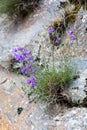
11 98
21 35
35 116
78 88
16 113
4 123
33 32
74 119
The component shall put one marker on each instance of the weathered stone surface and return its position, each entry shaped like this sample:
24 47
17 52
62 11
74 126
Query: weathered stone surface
33 32
11 98
77 88
20 35
5 123
81 63
73 119
35 116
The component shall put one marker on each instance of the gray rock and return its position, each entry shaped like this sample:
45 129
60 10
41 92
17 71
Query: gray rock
20 35
77 88
72 119
81 63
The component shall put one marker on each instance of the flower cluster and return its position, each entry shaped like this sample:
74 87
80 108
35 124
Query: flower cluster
55 38
28 63
32 81
72 36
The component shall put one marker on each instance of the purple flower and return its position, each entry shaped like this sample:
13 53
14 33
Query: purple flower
28 52
33 84
22 59
31 59
58 40
15 50
32 81
17 57
29 66
28 81
72 38
25 71
33 78
24 53
20 48
70 31
51 31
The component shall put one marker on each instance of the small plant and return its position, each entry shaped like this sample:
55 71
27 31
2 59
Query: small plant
56 31
59 27
18 8
51 83
46 85
71 35
70 14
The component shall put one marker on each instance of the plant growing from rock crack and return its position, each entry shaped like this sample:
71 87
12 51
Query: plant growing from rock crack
53 81
57 30
60 25
48 84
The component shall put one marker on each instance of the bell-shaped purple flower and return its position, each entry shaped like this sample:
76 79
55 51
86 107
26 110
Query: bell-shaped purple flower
51 31
70 31
57 41
72 38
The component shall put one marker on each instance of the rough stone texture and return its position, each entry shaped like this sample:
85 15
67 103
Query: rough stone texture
35 116
22 34
81 63
81 32
73 119
12 97
4 123
77 88
33 32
